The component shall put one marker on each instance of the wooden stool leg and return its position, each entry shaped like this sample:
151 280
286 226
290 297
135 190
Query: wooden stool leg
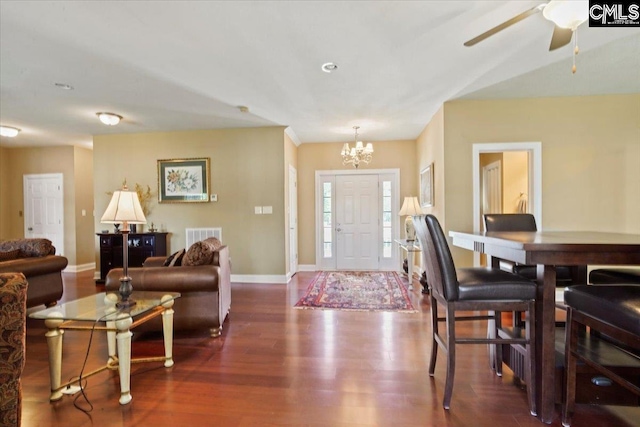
434 332
530 335
570 362
451 357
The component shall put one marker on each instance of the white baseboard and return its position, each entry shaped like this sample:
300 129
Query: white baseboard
81 267
307 267
259 278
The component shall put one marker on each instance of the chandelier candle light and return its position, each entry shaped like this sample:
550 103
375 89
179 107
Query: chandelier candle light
410 207
359 153
124 208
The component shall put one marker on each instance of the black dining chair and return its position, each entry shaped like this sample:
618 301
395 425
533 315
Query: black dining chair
522 222
473 289
611 313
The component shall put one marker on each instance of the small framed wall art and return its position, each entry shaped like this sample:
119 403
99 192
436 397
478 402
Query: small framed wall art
426 186
183 180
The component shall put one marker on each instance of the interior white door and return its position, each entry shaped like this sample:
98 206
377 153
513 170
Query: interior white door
492 188
357 225
293 220
44 208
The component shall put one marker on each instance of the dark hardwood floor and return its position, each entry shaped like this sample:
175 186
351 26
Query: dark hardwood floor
279 366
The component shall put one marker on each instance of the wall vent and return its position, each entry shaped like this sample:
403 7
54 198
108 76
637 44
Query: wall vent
197 234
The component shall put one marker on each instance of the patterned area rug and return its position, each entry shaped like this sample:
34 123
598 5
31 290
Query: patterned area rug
357 290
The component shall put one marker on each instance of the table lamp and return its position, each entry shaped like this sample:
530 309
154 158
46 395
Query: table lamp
410 207
124 208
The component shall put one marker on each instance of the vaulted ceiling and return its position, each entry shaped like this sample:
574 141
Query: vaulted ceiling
185 65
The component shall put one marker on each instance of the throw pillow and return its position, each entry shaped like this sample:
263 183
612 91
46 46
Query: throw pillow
214 242
201 253
175 259
30 247
9 255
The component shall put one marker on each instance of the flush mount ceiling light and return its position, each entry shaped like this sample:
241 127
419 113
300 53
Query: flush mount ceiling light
329 67
109 119
8 131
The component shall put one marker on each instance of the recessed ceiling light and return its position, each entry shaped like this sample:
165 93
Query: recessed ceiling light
109 119
243 109
63 86
9 131
329 67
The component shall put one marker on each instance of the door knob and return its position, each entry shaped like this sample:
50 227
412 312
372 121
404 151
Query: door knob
30 228
338 229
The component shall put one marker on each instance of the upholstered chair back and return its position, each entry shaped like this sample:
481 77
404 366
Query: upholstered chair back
510 222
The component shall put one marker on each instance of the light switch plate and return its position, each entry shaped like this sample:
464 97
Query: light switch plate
267 210
258 210
213 198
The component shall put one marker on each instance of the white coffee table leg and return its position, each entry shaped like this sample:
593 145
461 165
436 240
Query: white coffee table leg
123 323
167 328
54 342
111 299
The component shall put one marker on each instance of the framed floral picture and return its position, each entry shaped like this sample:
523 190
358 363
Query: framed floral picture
426 186
183 180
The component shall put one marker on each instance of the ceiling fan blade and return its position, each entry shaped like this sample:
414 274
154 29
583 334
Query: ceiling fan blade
561 37
502 26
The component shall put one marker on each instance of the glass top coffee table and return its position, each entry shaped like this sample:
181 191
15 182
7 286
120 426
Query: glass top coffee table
99 312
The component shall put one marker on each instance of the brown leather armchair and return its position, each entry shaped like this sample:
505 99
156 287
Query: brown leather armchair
205 290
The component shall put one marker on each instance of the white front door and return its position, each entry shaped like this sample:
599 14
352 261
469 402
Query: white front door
44 208
357 224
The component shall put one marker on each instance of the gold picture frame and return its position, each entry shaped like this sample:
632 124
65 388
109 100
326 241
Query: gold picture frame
426 187
183 180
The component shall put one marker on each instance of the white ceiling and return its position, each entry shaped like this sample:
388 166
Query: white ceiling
184 65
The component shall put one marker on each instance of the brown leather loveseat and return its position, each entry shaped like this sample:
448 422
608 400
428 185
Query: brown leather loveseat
36 260
203 280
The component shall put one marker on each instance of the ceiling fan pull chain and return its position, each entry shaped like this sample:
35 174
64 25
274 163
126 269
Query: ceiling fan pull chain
576 50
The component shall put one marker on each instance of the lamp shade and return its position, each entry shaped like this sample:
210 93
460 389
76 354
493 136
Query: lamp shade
124 207
410 207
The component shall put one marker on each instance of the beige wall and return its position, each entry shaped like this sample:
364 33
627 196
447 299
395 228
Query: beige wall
75 165
83 172
515 180
246 171
430 149
326 156
590 155
4 193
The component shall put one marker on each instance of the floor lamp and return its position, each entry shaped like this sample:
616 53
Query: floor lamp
124 208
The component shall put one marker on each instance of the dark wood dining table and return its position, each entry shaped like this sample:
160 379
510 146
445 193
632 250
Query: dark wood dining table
546 249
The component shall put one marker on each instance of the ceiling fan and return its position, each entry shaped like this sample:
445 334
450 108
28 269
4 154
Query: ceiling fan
567 15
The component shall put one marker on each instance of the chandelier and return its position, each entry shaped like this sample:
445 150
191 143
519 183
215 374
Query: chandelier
357 154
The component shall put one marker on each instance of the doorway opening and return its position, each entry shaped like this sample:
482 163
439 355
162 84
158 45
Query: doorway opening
515 187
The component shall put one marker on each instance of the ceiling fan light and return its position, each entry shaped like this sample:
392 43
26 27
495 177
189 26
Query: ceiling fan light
109 119
567 14
8 131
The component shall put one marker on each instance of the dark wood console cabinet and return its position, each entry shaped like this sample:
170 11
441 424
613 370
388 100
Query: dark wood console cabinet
141 246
